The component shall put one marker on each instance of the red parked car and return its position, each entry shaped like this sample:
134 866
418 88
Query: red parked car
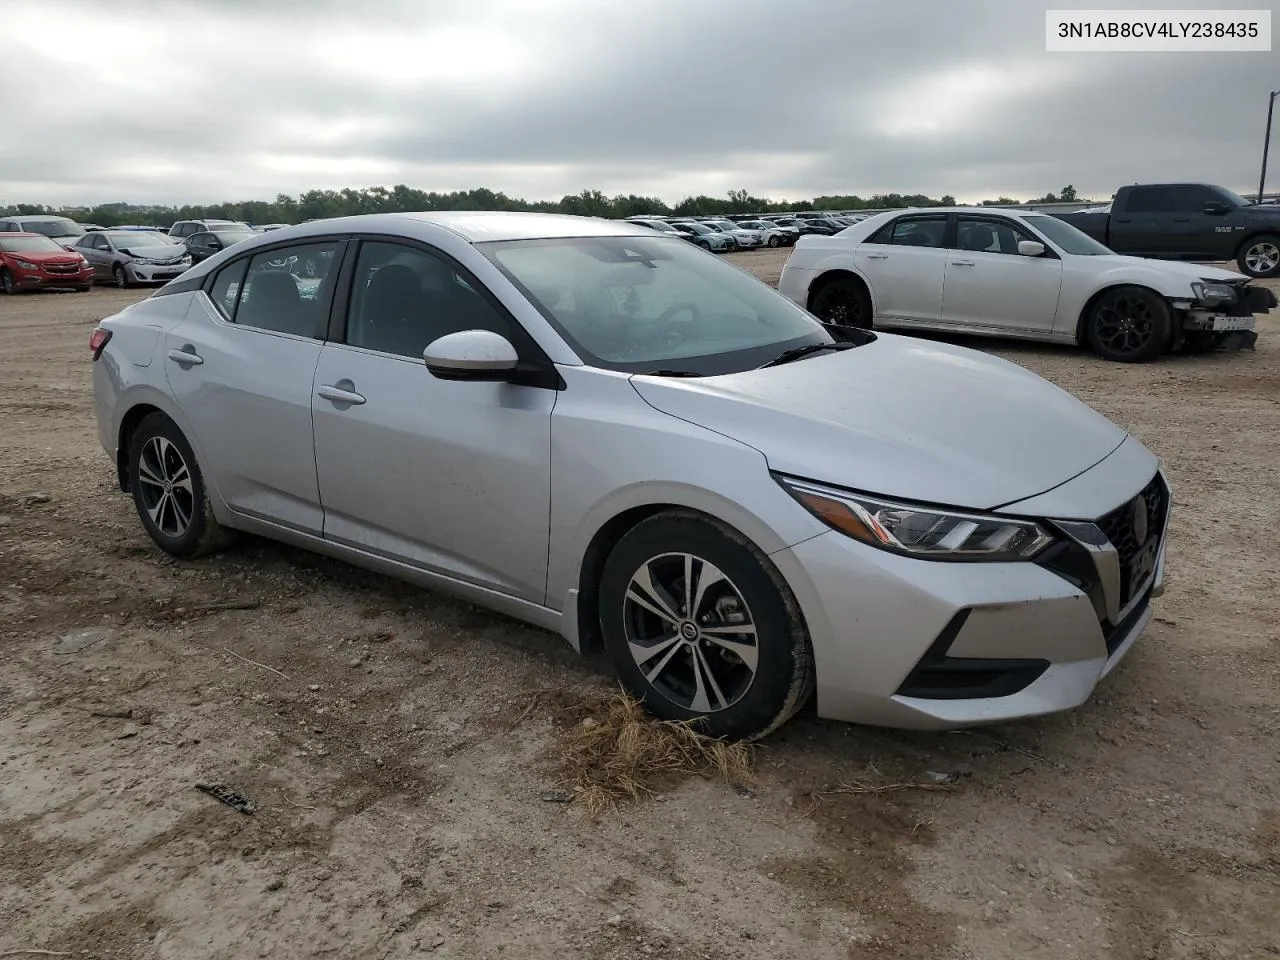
29 261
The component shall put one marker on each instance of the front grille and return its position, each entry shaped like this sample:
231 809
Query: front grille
1119 526
62 268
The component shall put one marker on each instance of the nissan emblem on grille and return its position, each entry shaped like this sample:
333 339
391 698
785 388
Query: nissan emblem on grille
1139 506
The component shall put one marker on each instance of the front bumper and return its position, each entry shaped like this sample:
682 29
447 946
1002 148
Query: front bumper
35 279
901 642
156 273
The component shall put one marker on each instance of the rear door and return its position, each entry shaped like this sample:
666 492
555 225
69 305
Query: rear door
989 285
1148 224
240 366
905 265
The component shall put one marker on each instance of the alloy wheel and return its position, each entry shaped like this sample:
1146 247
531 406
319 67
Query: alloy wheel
1125 324
691 632
165 485
840 303
1262 257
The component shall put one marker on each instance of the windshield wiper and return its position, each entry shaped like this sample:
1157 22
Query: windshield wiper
795 353
670 373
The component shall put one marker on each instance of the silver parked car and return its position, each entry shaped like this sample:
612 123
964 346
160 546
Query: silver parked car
610 434
129 257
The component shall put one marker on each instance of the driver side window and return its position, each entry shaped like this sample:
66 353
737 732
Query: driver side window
403 298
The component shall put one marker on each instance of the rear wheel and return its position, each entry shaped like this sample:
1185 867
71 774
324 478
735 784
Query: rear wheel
1260 256
169 492
1128 325
842 300
700 626
8 282
120 277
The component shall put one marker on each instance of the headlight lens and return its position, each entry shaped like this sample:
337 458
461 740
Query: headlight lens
1211 293
928 533
26 264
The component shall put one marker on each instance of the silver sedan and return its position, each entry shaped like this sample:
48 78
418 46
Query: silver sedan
613 435
129 257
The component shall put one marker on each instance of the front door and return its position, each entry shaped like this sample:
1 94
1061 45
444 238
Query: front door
989 285
240 366
452 477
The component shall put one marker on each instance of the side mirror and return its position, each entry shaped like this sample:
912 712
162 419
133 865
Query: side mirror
1216 208
1030 248
471 355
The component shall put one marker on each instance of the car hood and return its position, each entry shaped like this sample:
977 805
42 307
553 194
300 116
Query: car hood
163 251
1191 271
47 256
902 418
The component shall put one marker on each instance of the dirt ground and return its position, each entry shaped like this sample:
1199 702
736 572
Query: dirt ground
398 745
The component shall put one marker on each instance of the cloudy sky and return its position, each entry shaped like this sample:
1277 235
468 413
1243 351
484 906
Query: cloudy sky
170 101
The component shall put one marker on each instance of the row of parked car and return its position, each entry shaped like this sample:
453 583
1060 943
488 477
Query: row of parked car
748 231
47 251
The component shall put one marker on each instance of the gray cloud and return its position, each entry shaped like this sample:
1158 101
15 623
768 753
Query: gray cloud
196 102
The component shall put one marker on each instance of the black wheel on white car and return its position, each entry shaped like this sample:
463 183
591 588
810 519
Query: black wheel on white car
842 300
169 492
773 240
8 282
1129 325
1260 256
120 277
701 626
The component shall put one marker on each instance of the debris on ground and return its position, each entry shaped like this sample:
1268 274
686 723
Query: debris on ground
77 641
618 753
232 798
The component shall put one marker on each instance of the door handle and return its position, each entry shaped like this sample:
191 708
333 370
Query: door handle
188 358
338 395
877 256
963 263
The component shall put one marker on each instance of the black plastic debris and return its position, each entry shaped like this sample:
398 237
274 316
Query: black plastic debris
232 798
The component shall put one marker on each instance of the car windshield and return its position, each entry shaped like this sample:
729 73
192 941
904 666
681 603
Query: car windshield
698 227
59 227
660 226
40 244
640 304
1067 238
136 238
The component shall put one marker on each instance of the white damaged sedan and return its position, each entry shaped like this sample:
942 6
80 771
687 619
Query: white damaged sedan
1011 274
610 434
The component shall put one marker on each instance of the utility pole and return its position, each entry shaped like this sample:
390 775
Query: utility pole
1266 142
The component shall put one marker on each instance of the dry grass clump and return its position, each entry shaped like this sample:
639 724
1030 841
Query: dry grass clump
618 753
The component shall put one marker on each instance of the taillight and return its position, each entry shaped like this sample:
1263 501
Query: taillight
98 340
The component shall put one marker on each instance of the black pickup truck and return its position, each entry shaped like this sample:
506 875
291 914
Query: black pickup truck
1187 221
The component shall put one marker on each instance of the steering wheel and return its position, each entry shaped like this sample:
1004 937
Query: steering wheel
684 305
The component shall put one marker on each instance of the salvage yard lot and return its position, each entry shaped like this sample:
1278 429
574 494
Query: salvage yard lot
400 747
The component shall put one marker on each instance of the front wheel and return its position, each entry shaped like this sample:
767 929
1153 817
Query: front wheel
120 277
774 241
8 282
1260 256
169 492
700 626
1129 325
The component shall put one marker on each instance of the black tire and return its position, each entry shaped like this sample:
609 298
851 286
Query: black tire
842 300
84 288
166 450
742 702
1260 256
704 244
774 241
8 283
1128 325
120 276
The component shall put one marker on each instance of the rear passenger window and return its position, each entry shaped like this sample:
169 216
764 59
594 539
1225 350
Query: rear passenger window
1152 200
286 289
226 287
915 232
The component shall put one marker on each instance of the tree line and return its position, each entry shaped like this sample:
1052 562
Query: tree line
316 204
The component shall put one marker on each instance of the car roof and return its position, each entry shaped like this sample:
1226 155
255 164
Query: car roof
21 233
28 217
478 226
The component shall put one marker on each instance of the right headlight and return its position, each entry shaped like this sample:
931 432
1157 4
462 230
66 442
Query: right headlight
914 530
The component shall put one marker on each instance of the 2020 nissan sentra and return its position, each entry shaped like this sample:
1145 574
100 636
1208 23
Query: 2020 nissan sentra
615 436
